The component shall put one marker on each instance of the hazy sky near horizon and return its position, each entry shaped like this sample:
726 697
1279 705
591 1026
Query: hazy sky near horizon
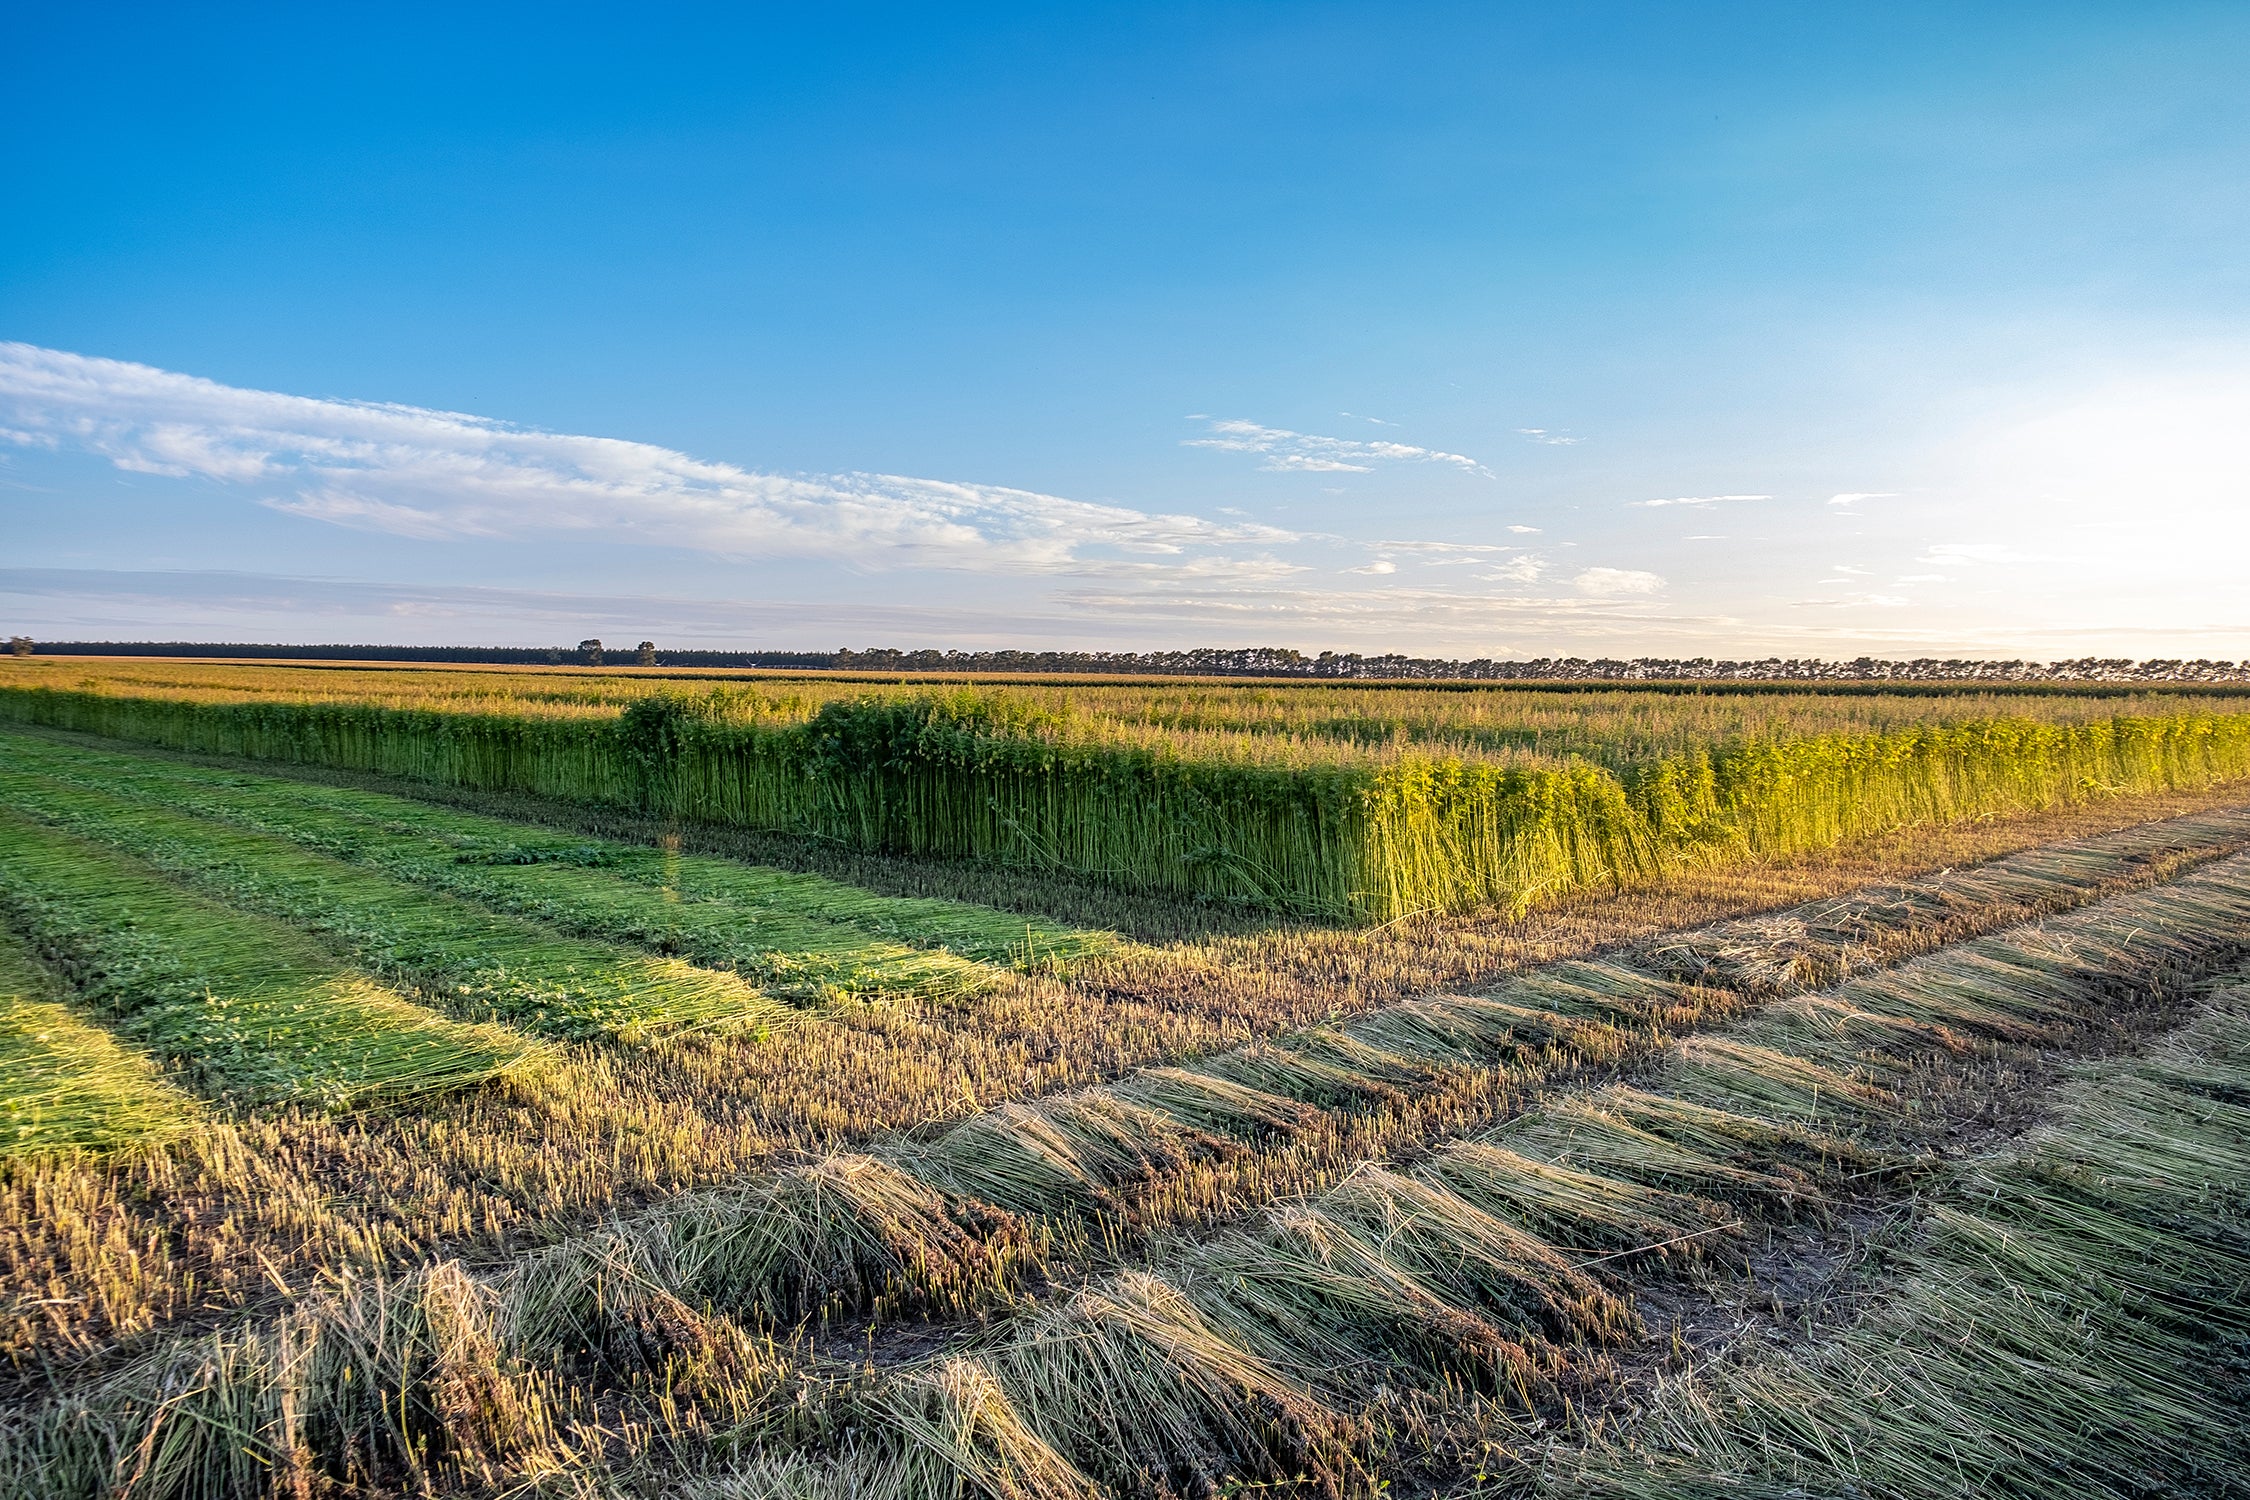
1494 329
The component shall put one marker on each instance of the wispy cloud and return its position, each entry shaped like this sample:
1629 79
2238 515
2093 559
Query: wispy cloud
1853 601
1281 451
1969 554
1605 583
1549 435
414 472
1449 552
1693 500
1525 569
450 477
1853 497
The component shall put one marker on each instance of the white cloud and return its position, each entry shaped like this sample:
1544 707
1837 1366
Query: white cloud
1969 554
1449 551
1604 583
1282 451
1853 601
1311 463
1854 497
439 475
1547 435
1525 569
1692 500
1525 530
1380 565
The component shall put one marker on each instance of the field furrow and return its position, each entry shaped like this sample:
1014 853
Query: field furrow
795 933
67 1084
457 955
1388 1314
249 1009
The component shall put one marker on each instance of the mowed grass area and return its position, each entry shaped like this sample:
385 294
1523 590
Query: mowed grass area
1340 803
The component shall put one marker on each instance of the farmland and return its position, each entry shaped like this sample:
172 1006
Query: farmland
1334 803
481 1082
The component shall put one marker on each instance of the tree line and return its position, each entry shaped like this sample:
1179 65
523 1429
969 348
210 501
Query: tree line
1246 661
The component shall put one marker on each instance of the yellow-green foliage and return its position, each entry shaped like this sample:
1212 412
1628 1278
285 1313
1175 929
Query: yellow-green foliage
66 1085
1321 824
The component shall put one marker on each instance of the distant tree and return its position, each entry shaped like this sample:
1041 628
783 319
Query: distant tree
554 655
647 651
19 645
591 649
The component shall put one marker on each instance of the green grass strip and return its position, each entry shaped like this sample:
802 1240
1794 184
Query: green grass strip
468 958
256 1011
68 1086
798 934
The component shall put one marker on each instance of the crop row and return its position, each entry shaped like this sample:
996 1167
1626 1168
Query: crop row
480 1177
101 832
1341 1333
964 775
66 1085
1028 1192
795 935
2100 1267
1249 1351
1616 726
288 853
100 1259
574 877
456 955
250 1009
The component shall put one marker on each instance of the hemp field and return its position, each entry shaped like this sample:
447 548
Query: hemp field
501 1083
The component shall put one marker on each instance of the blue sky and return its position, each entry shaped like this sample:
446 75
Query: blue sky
1483 330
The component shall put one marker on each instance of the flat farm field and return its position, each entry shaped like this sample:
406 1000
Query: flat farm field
476 1083
1338 803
